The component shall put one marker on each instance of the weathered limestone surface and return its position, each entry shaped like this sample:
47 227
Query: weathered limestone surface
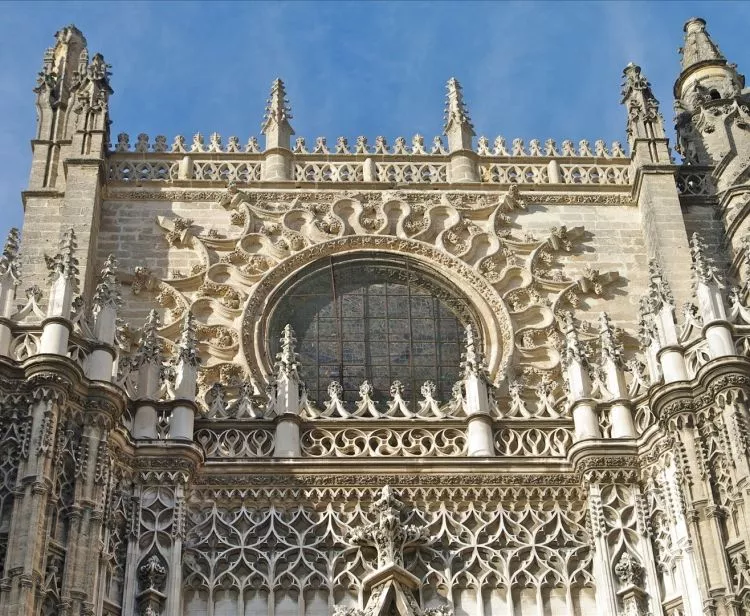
455 376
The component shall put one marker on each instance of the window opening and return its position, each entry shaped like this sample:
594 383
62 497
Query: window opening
374 319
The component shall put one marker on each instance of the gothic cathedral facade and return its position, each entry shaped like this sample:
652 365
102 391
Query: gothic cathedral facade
461 377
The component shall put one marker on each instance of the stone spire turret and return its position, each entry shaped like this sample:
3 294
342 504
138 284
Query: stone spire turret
276 118
645 122
148 362
278 132
477 400
458 127
698 47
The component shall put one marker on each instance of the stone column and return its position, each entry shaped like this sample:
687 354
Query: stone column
107 300
582 405
148 360
183 415
286 397
621 416
9 280
708 292
56 327
653 175
278 159
658 323
480 441
459 130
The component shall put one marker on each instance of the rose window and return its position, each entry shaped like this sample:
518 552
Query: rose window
375 319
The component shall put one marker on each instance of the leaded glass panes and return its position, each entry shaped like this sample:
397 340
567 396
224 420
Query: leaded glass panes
380 321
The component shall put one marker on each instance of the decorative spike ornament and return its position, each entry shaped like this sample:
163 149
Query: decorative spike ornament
108 291
63 269
287 359
150 347
276 127
187 349
704 267
9 262
644 119
659 291
458 127
472 358
611 349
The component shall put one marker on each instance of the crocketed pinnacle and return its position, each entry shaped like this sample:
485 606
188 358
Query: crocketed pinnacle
699 47
65 263
187 349
611 349
9 258
108 290
149 350
472 359
659 291
456 111
572 350
277 111
704 268
287 359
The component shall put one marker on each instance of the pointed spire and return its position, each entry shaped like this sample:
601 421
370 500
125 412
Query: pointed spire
65 264
108 290
458 127
659 291
573 351
704 268
644 120
276 118
187 349
9 262
149 349
610 347
472 358
287 359
698 47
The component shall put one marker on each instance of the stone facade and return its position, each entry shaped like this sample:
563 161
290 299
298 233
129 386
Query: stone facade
465 376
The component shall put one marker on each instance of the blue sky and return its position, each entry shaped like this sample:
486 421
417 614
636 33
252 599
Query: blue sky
530 70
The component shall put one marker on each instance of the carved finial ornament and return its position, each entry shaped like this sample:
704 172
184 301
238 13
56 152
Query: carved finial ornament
108 292
9 261
149 350
704 268
188 347
278 112
456 111
287 359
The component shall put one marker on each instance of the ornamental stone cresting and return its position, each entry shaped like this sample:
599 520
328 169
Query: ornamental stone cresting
460 376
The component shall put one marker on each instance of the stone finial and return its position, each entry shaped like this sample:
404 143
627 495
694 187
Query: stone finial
65 264
9 262
573 351
108 292
659 291
472 358
276 127
287 359
187 349
644 119
150 347
458 127
698 47
611 349
704 269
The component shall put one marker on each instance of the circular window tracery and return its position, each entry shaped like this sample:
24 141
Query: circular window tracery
374 318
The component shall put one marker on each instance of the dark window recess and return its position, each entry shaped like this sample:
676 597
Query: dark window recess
358 320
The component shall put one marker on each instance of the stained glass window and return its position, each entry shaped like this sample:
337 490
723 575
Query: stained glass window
382 321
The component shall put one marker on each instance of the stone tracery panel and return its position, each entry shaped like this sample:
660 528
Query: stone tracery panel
495 552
